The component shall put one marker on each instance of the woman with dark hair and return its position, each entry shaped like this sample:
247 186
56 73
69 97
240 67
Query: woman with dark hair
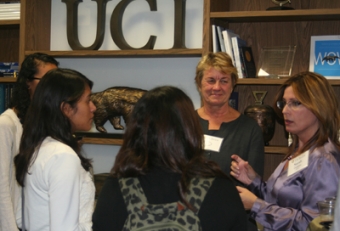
32 70
58 188
310 171
163 150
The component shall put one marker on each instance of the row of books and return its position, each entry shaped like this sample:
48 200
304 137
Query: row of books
9 69
6 90
9 10
226 40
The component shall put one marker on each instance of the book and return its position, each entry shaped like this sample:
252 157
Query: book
9 69
9 10
237 42
247 62
214 38
325 55
233 100
219 30
8 94
227 35
2 98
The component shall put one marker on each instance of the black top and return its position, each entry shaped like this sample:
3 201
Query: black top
242 136
222 208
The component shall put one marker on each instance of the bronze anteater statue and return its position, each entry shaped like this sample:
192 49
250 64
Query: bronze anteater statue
113 103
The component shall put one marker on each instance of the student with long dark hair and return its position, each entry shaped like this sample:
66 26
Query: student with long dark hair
163 150
32 69
58 188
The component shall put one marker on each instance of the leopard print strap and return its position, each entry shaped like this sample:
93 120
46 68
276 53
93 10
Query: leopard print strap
197 190
133 193
134 196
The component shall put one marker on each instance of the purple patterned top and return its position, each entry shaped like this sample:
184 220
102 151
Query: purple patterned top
289 203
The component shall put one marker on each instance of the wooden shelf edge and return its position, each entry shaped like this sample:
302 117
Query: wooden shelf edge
276 150
264 81
107 141
8 80
100 138
285 15
261 81
122 53
14 22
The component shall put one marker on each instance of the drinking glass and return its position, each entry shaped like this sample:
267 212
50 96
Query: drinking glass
326 210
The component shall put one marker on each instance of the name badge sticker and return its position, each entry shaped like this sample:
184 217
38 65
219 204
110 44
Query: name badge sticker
212 143
298 163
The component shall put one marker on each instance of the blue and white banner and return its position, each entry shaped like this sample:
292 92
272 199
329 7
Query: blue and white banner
325 55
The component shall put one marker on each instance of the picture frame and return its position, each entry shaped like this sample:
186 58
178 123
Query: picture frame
276 62
325 55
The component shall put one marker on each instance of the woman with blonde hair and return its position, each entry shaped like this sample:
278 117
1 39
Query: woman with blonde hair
228 130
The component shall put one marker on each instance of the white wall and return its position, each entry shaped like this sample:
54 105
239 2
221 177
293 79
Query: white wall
138 24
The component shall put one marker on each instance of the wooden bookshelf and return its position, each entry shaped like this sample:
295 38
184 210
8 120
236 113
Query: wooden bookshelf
8 80
247 18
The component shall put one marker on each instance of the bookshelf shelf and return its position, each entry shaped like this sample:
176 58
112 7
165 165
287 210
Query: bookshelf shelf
278 16
7 80
100 138
122 53
276 150
268 81
15 22
118 141
107 141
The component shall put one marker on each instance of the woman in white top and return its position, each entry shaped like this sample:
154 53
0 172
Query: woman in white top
32 70
58 188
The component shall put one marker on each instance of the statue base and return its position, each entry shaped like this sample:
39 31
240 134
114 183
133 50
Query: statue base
80 135
280 8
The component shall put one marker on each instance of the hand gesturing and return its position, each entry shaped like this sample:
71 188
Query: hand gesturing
241 170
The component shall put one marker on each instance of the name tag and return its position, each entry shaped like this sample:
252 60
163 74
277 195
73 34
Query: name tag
212 143
298 163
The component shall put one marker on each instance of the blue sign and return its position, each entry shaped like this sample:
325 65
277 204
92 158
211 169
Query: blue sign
326 57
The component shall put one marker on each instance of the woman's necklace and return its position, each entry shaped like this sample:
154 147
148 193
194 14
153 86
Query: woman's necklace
290 157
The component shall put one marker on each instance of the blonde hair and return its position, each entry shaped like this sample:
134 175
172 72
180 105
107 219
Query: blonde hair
315 93
221 61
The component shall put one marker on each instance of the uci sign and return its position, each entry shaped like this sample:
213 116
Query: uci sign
116 25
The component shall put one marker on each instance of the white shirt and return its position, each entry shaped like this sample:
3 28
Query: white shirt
59 193
10 199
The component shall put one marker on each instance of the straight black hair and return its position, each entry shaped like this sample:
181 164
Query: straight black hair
45 117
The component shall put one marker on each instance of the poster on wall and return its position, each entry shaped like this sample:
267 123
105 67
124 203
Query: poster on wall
325 55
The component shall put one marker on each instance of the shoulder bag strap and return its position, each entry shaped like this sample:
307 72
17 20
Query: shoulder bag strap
198 188
133 193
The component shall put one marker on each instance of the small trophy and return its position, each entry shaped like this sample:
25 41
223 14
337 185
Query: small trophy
264 115
281 3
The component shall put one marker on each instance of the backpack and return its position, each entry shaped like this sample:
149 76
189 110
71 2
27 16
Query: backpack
173 216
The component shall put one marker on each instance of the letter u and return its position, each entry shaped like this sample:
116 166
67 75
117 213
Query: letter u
72 24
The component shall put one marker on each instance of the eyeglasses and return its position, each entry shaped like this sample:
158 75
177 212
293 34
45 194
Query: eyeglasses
293 104
32 78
